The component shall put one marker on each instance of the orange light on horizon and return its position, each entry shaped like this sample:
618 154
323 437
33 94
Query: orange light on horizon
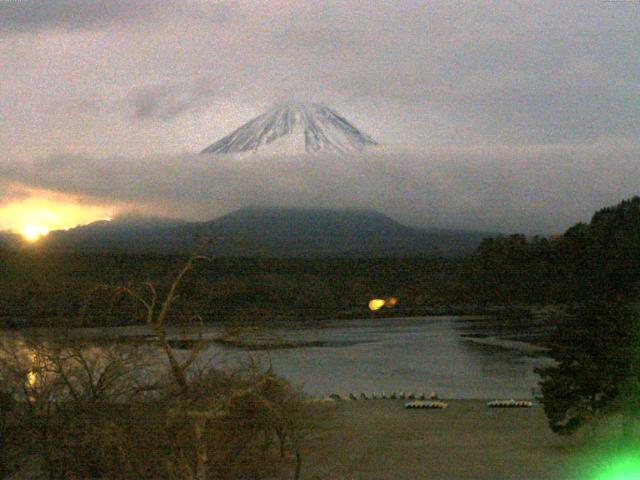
32 233
35 217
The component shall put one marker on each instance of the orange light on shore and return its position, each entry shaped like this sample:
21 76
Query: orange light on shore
376 304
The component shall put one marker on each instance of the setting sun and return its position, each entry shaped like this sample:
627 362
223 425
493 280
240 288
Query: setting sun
32 233
36 216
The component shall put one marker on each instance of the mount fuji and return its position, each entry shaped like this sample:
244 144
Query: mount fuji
292 129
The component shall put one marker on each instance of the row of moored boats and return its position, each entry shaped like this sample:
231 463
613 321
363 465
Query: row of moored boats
421 400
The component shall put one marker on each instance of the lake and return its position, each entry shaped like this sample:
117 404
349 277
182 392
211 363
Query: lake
456 357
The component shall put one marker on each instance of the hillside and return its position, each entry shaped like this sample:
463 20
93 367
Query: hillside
275 232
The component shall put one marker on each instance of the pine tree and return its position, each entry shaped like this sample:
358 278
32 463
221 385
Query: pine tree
597 351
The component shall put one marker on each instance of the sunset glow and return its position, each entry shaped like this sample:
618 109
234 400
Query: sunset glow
35 217
32 233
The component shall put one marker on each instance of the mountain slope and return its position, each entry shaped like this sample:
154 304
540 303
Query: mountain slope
134 235
275 232
294 128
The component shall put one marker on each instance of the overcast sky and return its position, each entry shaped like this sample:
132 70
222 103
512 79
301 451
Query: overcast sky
510 116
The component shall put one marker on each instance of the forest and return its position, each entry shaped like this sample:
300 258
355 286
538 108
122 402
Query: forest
510 271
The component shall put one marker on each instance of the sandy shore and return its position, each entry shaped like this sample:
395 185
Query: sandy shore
382 440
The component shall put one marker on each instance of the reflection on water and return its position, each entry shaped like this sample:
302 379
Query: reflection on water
417 354
456 357
32 378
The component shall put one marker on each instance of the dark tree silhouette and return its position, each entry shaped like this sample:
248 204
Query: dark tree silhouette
598 347
597 351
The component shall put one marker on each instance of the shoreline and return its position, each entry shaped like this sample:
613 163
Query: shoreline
276 334
505 313
467 440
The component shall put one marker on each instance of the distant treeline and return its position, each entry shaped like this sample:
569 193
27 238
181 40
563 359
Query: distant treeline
45 288
601 257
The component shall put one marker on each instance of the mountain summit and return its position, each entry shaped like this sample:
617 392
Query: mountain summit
294 128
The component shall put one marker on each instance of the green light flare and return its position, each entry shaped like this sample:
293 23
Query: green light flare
620 467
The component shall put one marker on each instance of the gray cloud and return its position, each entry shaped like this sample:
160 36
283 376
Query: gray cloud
535 189
512 74
33 15
165 102
70 15
11 193
537 103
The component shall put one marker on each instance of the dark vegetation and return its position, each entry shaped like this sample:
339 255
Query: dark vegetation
71 410
98 416
596 259
46 289
597 346
42 287
592 272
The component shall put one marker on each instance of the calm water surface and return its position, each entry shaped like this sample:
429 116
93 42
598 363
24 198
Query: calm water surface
456 357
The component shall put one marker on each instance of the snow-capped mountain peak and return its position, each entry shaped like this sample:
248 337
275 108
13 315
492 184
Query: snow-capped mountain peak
294 128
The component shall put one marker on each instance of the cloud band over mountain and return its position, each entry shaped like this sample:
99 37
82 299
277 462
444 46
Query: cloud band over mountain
521 115
534 189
